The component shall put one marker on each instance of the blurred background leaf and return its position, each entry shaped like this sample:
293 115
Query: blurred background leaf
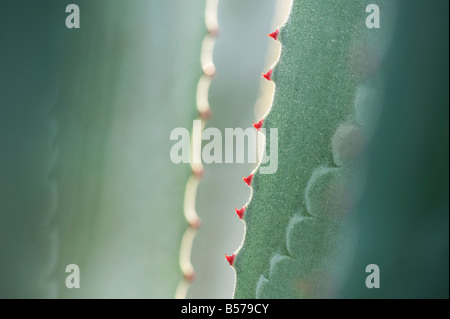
240 56
402 218
86 173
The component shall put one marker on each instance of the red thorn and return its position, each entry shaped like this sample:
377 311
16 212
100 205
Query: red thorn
258 125
274 34
214 31
268 75
230 259
248 180
240 212
206 114
209 70
198 172
190 276
195 223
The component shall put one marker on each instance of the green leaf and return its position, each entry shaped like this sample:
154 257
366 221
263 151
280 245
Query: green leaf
296 216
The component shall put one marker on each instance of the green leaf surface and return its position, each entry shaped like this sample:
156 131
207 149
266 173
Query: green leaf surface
295 217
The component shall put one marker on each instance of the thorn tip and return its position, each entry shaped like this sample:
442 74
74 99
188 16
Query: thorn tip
198 172
214 31
274 35
258 125
230 259
205 114
190 276
195 223
240 212
268 75
248 179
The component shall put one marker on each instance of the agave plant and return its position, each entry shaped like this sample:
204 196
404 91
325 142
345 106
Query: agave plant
359 116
